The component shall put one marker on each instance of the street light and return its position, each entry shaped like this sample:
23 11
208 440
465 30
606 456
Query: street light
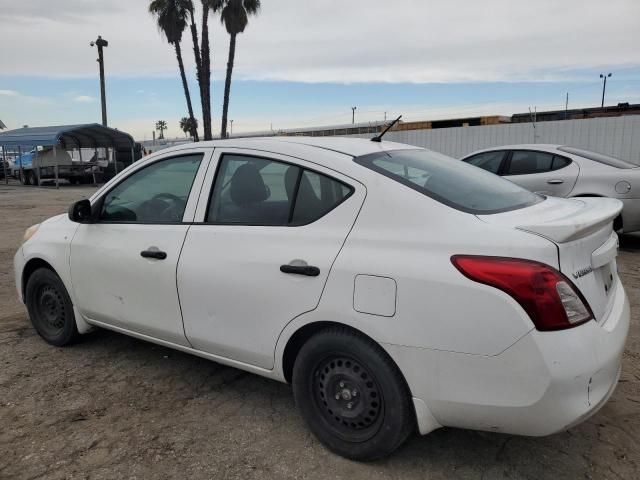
604 86
101 43
353 115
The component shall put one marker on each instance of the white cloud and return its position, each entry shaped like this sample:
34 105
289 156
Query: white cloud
338 41
9 93
83 99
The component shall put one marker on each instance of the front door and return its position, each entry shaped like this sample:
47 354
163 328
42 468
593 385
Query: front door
123 268
262 254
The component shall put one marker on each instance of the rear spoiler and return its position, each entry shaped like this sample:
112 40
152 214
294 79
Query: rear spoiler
594 214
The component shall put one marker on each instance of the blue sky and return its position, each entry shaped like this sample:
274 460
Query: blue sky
298 64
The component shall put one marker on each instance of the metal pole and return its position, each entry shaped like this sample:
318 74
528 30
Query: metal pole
36 170
55 168
604 86
566 107
115 159
4 165
353 115
22 179
101 43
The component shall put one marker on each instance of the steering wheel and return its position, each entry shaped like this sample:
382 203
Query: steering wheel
163 207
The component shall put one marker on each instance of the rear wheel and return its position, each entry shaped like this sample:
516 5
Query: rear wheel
352 395
50 308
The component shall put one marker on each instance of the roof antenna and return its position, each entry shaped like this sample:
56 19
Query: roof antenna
378 138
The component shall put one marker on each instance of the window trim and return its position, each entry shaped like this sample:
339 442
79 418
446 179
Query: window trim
97 206
507 164
289 224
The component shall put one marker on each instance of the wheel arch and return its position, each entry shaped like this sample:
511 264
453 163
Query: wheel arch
31 266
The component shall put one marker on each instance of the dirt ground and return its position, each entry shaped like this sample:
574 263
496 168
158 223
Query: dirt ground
115 407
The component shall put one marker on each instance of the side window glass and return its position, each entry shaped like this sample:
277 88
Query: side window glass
156 194
317 196
489 161
252 191
559 162
525 162
257 191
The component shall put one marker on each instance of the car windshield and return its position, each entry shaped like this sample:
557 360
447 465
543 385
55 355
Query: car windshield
451 182
598 157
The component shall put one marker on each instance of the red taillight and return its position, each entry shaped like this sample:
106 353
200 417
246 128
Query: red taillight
550 299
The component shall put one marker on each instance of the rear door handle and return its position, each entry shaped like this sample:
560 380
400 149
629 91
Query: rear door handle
308 270
154 253
556 181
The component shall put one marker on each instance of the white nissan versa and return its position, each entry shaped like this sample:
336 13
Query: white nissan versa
395 288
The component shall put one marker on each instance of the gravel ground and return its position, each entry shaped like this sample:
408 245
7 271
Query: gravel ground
115 407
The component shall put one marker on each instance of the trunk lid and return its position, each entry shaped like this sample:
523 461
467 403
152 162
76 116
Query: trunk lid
582 229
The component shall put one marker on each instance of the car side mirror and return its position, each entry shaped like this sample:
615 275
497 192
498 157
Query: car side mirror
80 212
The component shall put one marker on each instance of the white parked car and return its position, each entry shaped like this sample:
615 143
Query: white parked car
565 171
395 288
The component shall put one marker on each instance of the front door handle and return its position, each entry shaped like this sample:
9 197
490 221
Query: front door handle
308 270
154 253
555 181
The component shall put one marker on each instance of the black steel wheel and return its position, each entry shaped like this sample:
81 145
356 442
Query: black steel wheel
352 395
50 308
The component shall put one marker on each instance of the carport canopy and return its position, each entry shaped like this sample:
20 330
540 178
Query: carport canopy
89 135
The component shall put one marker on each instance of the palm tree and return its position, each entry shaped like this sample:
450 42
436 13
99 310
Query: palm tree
186 125
235 16
161 126
171 16
205 65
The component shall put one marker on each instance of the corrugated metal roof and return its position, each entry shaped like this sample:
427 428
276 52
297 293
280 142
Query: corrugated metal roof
90 135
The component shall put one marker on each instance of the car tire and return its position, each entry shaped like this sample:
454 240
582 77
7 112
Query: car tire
352 395
50 308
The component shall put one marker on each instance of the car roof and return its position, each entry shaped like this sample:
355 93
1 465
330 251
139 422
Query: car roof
354 147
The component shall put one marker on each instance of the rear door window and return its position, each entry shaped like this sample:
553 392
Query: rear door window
258 191
526 162
451 182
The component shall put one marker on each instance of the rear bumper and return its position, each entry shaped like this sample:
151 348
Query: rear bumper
631 215
544 383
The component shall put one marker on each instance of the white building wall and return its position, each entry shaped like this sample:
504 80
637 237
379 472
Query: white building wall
616 136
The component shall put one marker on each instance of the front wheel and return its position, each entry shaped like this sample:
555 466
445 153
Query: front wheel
50 308
352 395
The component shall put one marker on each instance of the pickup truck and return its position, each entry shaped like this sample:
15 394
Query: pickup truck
33 168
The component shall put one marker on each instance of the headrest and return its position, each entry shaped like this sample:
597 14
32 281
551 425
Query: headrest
247 186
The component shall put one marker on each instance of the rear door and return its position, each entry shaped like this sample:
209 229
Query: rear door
268 230
541 172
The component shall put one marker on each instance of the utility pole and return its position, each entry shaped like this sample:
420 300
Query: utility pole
604 86
566 107
231 131
353 115
101 43
385 116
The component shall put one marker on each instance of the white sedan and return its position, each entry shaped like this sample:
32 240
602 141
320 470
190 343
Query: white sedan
396 289
565 171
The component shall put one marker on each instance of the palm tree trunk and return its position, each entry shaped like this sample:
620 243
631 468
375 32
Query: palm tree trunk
185 85
205 88
227 83
206 114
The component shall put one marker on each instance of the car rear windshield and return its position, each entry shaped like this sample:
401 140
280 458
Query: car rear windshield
451 182
598 157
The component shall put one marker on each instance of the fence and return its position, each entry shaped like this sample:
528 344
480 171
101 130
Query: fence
616 136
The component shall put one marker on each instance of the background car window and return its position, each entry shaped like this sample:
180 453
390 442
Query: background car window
559 162
156 194
257 191
526 161
448 181
489 161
